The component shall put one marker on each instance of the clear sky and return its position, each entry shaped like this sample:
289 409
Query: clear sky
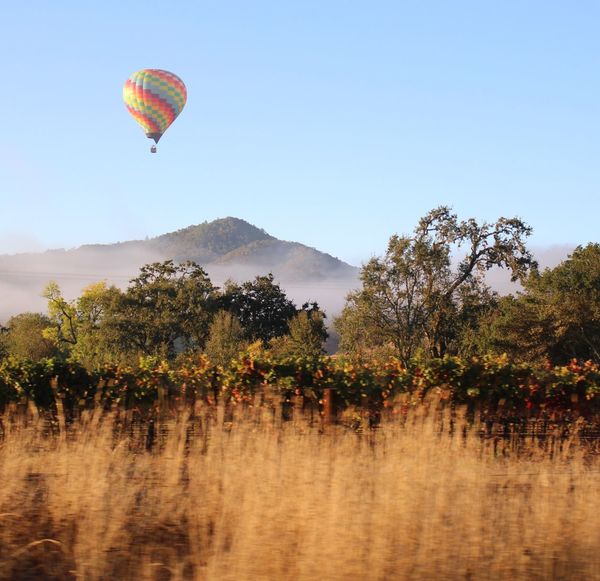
332 123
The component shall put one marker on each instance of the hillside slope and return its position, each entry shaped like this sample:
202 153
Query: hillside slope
226 248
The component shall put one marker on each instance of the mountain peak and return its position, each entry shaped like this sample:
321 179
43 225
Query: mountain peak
228 248
208 240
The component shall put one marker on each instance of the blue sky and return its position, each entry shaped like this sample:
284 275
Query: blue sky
331 123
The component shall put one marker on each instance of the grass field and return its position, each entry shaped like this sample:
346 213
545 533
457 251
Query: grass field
257 499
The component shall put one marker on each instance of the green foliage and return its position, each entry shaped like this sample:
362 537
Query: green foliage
165 304
360 338
467 336
169 309
413 300
307 334
225 339
3 345
261 306
79 326
26 336
557 316
43 381
63 314
496 385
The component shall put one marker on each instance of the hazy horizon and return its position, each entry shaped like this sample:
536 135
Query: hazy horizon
23 280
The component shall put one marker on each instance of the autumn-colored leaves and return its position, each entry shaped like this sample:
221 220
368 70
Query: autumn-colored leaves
493 383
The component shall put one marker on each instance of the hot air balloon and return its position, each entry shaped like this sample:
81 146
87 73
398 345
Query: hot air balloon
154 98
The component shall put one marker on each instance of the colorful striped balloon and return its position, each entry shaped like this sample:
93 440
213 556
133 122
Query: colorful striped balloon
154 98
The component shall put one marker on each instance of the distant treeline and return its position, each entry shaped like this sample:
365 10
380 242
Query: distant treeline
415 301
170 310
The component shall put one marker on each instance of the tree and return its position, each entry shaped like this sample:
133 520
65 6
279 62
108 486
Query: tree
557 316
410 297
261 306
63 315
306 336
469 337
79 326
24 337
225 339
166 308
358 337
3 345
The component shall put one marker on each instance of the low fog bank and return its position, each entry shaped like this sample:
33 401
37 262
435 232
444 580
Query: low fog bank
329 291
24 276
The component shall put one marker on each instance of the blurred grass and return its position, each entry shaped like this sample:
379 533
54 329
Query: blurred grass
249 497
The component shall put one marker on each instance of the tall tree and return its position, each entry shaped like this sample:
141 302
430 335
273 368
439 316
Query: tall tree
225 339
306 336
410 297
79 326
556 316
26 336
63 314
261 306
3 345
166 307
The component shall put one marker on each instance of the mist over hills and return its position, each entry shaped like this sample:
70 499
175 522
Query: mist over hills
226 248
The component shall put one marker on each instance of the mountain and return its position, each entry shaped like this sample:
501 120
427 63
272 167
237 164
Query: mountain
201 243
226 248
210 240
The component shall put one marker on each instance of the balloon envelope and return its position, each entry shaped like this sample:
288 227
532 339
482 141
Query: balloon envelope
154 98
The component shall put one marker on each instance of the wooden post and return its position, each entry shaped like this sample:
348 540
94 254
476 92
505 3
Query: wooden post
298 404
328 406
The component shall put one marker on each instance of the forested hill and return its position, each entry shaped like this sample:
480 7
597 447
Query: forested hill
225 242
233 243
201 243
208 241
226 248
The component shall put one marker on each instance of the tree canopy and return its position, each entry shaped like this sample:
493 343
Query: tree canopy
165 304
413 297
262 307
556 316
168 309
306 337
26 336
225 338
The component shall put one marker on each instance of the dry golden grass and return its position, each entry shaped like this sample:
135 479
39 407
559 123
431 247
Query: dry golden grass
256 499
